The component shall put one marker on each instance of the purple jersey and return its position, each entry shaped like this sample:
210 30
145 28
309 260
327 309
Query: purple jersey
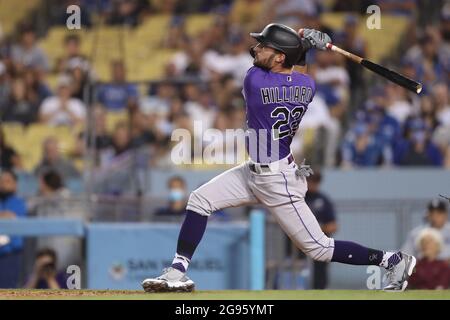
275 104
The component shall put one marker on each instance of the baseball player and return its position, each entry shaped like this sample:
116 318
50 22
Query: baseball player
276 98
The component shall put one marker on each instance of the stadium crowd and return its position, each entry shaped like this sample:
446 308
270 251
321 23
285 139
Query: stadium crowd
357 122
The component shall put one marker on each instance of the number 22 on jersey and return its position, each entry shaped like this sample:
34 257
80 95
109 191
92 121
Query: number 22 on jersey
288 121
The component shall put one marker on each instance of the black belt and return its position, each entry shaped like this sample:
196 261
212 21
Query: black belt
252 166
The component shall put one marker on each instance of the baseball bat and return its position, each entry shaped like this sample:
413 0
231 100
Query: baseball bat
393 76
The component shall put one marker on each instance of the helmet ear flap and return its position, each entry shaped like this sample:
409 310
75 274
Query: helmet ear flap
252 51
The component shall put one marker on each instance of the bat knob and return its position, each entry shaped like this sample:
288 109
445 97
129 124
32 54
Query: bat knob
419 88
300 32
329 46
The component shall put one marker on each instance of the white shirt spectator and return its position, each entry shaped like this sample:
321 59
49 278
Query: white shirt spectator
400 110
444 116
237 65
332 75
59 115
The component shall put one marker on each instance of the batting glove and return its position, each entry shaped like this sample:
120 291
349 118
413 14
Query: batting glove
317 38
304 170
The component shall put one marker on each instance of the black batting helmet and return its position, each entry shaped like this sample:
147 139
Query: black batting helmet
281 38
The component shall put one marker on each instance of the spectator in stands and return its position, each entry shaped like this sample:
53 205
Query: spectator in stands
188 63
37 89
120 145
143 132
362 149
11 207
26 53
102 138
441 103
235 61
20 108
45 274
62 109
436 218
53 200
53 160
397 102
158 101
417 149
322 207
428 113
118 95
431 272
9 158
199 105
430 58
177 199
75 64
385 127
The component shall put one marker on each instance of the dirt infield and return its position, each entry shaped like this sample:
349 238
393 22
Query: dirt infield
224 295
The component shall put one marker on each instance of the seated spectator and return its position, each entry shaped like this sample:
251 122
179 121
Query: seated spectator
177 199
27 54
441 103
9 158
62 109
398 105
72 56
19 107
11 247
437 218
417 149
431 272
118 95
158 100
45 274
235 61
362 149
385 127
37 89
143 133
188 62
120 145
102 138
53 160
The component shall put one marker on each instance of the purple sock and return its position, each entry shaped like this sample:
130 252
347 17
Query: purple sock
352 253
191 233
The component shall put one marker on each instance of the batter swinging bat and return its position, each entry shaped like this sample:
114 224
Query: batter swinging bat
382 71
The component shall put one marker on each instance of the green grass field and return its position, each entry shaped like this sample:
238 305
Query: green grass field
227 295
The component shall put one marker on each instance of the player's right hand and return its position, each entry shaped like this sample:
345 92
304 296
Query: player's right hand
317 38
